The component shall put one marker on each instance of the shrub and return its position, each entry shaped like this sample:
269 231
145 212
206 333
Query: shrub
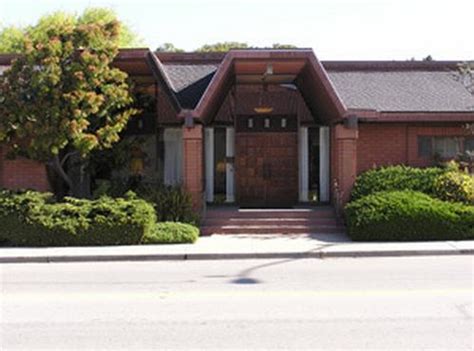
171 203
455 186
171 232
396 178
33 219
408 216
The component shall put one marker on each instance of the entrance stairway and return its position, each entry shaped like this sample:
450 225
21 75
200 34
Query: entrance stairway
308 220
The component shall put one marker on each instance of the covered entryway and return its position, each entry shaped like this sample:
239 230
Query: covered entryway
265 168
267 117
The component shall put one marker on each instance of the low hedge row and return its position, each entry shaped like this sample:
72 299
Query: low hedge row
408 216
394 178
171 232
34 219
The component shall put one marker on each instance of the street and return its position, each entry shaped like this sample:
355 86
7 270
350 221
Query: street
351 304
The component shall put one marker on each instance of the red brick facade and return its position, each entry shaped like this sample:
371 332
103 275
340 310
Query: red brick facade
22 173
193 165
382 144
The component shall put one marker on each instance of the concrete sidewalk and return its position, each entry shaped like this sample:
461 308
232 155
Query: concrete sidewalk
239 247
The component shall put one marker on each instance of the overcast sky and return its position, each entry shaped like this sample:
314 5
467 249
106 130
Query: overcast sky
335 29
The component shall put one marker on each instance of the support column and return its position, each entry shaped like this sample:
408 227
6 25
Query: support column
346 156
193 171
229 171
324 174
209 163
303 164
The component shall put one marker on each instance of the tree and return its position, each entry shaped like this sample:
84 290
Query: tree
12 38
168 47
229 45
283 46
61 98
224 46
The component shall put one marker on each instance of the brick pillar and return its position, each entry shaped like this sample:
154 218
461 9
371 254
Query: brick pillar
193 172
346 162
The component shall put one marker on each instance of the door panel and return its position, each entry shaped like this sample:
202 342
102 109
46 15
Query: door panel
267 169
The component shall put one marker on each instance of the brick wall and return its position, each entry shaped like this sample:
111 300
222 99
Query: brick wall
193 166
396 143
22 173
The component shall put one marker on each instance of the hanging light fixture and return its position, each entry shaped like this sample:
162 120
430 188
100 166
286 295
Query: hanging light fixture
262 106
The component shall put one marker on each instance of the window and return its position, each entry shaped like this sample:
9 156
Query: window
445 147
469 144
425 146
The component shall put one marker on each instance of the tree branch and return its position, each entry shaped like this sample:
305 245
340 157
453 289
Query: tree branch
57 165
69 154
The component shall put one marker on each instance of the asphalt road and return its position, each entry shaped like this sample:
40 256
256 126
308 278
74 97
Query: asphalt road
378 304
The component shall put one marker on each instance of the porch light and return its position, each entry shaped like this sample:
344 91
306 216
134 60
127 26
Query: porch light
262 107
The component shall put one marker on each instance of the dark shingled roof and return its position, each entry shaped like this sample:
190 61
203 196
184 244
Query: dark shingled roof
402 86
189 81
414 91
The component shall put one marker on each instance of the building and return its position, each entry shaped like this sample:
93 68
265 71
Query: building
279 127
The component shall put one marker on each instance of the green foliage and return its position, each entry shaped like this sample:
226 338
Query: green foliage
171 232
127 38
171 203
455 186
229 45
223 46
12 38
168 47
408 216
396 178
283 46
63 94
33 219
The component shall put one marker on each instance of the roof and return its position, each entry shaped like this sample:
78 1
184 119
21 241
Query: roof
394 86
403 91
377 86
189 81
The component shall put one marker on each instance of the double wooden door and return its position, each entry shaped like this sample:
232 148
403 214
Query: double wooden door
266 166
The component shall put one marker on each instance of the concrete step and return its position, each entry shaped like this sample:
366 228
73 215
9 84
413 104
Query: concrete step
323 213
208 230
214 222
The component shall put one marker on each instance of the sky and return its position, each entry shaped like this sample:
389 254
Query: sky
335 29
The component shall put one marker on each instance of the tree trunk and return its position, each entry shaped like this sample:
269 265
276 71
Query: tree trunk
79 175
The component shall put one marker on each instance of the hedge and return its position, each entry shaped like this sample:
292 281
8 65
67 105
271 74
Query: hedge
171 232
408 216
455 186
394 178
34 219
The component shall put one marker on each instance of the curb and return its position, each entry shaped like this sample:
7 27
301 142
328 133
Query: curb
232 256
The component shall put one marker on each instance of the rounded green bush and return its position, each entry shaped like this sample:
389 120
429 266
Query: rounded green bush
408 216
455 186
171 232
33 219
396 178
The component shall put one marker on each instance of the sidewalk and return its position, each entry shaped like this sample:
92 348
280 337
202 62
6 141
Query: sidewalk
239 247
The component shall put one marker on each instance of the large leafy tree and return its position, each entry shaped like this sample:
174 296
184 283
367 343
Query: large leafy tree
62 98
12 37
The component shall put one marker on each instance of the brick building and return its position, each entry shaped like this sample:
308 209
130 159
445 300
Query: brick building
279 127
